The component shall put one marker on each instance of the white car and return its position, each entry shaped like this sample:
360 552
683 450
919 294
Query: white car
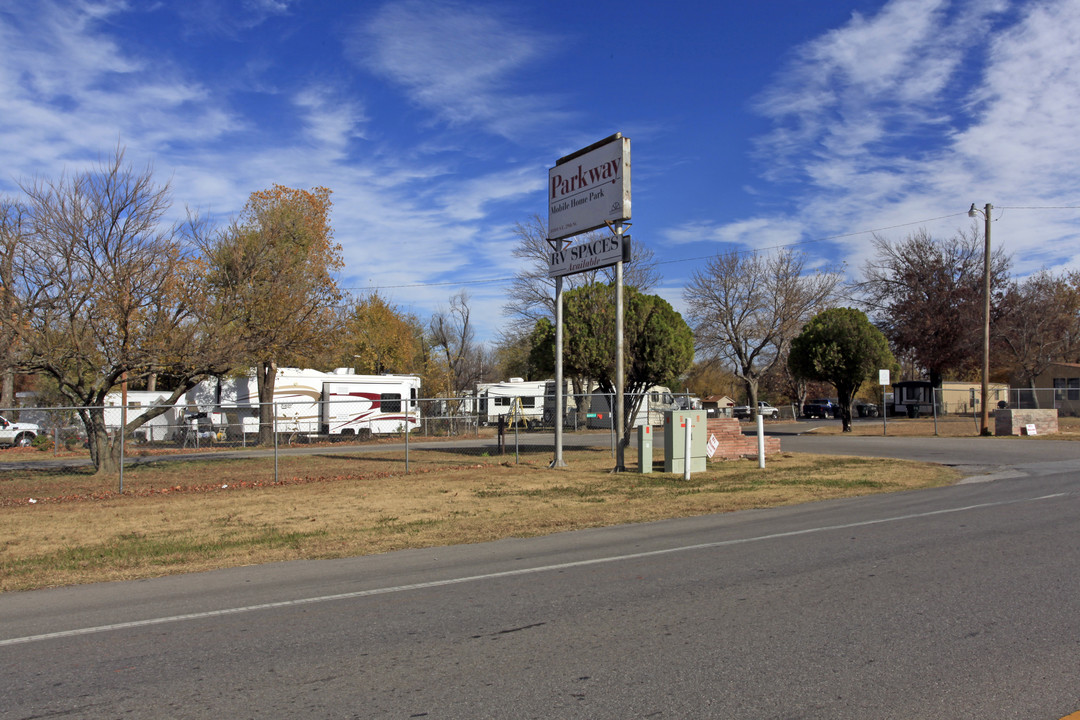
20 434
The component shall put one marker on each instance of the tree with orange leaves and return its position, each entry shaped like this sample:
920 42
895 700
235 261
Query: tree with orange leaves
275 266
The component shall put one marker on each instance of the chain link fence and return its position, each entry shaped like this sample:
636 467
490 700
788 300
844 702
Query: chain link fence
391 435
967 402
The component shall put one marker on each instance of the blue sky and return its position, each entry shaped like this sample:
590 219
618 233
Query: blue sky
753 125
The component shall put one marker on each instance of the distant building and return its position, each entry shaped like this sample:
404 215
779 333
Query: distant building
718 405
956 398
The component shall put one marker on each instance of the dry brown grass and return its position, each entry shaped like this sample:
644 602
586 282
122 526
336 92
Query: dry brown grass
1069 427
177 517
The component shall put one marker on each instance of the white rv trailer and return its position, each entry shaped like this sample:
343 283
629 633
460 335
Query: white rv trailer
570 405
138 403
315 402
657 400
502 398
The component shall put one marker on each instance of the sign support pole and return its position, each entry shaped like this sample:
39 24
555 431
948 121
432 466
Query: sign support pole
620 390
560 384
588 189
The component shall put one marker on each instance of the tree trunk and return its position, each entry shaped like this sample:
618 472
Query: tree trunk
845 395
104 454
752 395
7 391
583 400
266 376
633 403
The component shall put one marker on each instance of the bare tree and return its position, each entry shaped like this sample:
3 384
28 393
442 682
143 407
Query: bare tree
1039 323
105 291
746 308
926 296
14 227
532 293
453 337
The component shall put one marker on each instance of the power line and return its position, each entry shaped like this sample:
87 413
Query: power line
824 239
706 257
429 284
1037 207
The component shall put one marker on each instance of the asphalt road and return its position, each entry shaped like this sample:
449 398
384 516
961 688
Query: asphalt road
957 602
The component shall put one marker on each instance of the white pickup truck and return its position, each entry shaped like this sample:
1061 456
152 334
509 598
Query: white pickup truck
765 409
19 434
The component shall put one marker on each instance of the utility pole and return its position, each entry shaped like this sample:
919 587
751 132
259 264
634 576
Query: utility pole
985 411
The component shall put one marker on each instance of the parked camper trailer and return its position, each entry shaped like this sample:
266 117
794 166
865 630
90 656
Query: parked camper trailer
138 403
312 402
656 402
570 405
516 398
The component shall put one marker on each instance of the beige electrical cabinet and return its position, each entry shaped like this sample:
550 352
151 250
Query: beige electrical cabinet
644 448
675 440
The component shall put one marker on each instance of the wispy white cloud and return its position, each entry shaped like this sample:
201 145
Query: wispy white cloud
459 62
70 92
227 18
469 199
906 115
331 121
758 233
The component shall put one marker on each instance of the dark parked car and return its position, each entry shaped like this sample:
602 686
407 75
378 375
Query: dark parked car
867 410
820 408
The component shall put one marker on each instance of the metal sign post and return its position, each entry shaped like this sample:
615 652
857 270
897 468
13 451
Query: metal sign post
883 380
587 190
620 380
560 384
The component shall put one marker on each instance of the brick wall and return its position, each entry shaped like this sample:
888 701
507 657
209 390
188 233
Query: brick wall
735 445
1015 422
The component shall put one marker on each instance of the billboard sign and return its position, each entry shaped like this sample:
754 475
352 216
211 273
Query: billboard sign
589 255
589 188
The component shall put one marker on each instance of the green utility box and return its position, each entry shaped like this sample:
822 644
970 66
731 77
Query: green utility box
675 440
644 448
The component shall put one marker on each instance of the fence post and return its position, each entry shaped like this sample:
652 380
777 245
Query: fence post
406 443
273 424
933 402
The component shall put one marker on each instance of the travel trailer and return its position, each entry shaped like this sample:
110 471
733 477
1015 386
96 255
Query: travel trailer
515 398
314 402
138 402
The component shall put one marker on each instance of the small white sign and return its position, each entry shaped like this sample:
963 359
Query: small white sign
589 256
883 377
1031 430
710 448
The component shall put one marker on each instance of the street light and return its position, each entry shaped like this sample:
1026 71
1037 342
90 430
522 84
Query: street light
985 414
